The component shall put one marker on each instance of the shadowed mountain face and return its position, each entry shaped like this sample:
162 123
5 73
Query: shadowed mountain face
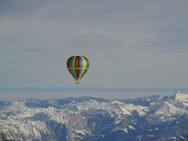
151 118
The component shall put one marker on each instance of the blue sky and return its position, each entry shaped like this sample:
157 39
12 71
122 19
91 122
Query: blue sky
129 43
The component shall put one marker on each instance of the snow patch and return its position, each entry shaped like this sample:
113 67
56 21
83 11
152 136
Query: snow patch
181 97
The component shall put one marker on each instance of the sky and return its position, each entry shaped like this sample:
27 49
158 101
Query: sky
129 43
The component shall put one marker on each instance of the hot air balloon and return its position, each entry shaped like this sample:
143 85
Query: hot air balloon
77 66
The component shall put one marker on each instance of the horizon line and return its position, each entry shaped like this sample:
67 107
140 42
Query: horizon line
86 89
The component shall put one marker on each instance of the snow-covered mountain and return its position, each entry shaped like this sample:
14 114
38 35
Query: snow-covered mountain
151 118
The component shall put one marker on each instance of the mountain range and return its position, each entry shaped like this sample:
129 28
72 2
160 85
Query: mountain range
151 118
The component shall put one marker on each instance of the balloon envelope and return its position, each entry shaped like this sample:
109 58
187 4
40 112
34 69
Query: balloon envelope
77 66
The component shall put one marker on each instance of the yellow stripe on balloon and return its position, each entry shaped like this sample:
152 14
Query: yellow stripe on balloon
73 62
84 62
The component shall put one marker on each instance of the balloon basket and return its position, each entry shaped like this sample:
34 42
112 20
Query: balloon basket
77 83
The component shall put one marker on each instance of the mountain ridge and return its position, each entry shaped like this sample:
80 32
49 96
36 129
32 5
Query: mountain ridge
152 118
